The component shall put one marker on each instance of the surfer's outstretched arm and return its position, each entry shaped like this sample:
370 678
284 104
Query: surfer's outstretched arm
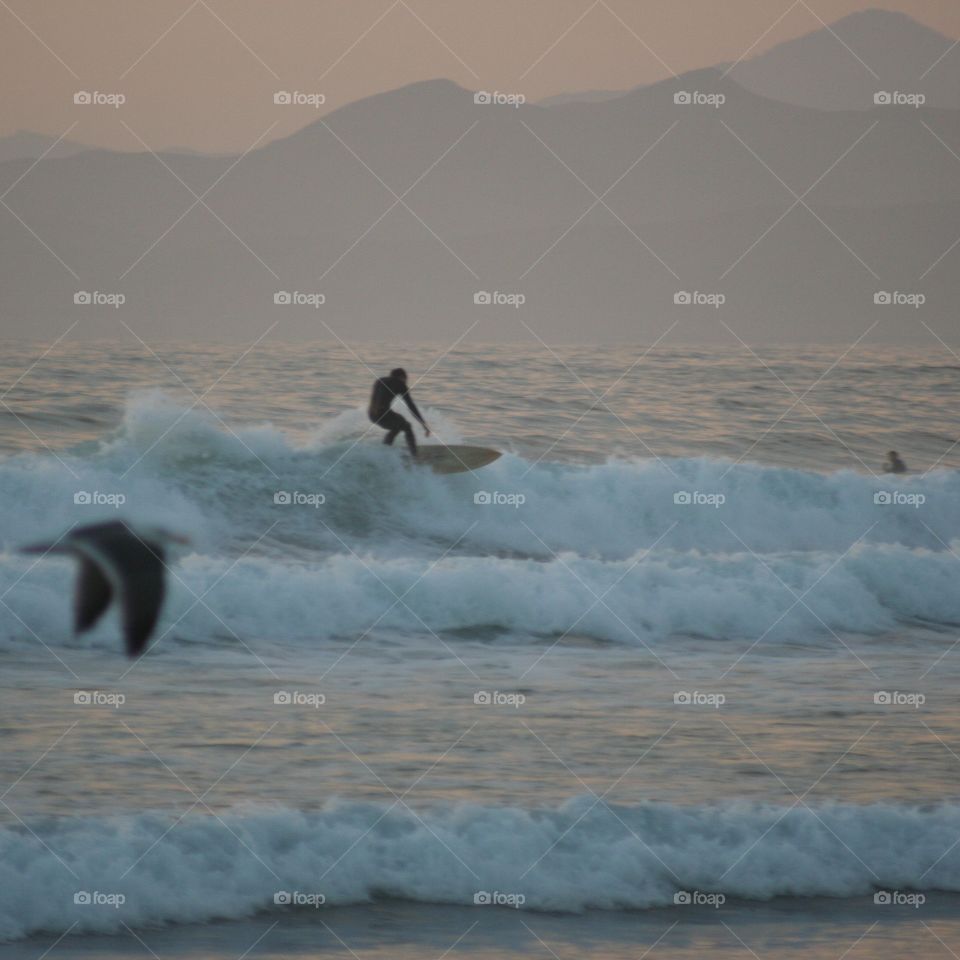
413 409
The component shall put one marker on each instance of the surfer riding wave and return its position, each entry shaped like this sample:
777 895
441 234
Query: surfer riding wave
384 391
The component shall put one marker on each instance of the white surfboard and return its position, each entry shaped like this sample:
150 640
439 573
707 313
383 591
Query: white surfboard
457 458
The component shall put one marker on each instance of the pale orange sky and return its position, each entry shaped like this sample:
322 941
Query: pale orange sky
202 73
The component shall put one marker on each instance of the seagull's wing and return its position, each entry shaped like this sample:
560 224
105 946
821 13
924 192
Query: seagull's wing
45 548
136 572
93 590
144 586
92 597
115 561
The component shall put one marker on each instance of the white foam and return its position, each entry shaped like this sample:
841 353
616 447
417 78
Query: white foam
602 550
175 460
639 600
577 856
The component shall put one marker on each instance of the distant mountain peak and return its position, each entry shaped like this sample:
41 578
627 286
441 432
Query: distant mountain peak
875 18
841 66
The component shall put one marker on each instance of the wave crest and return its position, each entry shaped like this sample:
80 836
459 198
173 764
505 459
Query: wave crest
577 856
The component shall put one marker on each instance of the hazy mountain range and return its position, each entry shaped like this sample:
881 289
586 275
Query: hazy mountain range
24 145
504 200
841 68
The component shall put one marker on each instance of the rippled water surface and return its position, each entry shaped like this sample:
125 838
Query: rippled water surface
701 643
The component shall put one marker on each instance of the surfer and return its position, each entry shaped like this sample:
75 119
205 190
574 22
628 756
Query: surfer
893 463
384 390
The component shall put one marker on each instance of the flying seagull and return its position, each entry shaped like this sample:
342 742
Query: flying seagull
117 561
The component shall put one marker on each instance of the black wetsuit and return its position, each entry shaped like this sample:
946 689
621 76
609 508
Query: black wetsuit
384 390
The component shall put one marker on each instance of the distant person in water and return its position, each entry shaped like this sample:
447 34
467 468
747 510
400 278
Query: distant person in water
893 463
384 390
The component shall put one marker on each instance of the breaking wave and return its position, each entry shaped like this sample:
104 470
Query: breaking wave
580 855
621 551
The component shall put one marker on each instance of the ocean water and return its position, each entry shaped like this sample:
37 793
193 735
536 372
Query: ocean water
678 670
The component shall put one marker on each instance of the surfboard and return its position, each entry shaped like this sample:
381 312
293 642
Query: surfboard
457 458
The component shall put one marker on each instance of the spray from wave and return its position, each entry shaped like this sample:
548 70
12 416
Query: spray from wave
319 537
153 869
641 600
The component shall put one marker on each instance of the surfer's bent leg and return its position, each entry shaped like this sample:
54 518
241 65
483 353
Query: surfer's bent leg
411 439
393 423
